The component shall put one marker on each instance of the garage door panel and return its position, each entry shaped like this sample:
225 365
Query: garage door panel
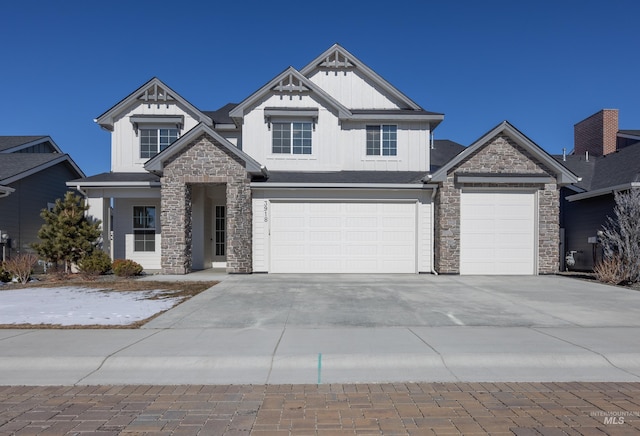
347 237
497 233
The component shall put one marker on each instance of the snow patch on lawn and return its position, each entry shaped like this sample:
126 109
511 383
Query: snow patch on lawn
81 306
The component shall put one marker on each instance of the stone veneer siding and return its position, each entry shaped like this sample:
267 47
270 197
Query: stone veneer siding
499 156
204 162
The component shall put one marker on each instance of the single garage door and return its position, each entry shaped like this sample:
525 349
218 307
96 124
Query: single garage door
497 232
343 237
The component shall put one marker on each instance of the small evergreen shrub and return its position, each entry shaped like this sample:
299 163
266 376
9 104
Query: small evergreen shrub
95 264
126 268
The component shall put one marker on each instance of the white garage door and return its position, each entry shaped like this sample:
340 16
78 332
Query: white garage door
343 237
497 232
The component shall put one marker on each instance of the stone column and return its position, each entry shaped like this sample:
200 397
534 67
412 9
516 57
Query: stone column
175 221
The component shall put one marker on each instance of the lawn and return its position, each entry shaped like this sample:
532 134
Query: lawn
110 302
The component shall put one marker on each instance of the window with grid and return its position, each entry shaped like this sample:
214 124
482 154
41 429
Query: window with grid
144 228
221 231
382 140
153 141
291 138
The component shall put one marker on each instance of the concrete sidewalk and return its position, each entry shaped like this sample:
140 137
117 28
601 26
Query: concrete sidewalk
352 329
317 356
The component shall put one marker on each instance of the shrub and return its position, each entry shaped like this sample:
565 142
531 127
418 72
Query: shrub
609 271
95 264
21 266
621 235
4 274
126 268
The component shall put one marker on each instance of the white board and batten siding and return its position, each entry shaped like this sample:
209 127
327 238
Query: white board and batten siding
342 235
123 232
352 90
498 232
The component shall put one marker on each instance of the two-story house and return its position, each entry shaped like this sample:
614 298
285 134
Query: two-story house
33 174
326 169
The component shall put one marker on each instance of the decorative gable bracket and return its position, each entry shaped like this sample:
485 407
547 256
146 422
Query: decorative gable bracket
290 84
156 94
336 60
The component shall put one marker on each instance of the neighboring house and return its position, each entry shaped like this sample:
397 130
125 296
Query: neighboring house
325 169
33 174
607 160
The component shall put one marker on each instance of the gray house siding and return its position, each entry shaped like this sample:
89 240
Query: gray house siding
581 220
20 211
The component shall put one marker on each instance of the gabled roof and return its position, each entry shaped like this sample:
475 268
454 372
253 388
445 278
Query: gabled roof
337 56
156 163
16 166
442 151
221 116
564 175
10 144
153 92
603 175
289 81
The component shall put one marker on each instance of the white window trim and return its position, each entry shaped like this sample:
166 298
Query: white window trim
291 155
381 157
134 229
155 127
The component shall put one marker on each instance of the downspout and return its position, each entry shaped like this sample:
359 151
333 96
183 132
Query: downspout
434 191
433 232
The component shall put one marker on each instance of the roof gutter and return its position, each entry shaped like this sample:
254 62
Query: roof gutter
113 184
603 191
266 185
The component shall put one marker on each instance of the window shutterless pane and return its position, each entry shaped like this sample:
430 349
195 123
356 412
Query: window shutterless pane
281 142
153 141
389 140
301 138
373 140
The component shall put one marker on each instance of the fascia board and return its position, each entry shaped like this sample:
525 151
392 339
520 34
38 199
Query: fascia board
106 119
112 184
238 111
398 117
497 179
375 77
267 185
156 164
42 167
603 191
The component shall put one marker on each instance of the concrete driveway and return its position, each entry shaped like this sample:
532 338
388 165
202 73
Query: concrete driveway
316 329
327 301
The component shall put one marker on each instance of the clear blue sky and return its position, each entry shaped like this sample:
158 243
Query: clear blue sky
543 65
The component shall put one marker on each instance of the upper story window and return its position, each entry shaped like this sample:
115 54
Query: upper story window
291 138
382 140
153 141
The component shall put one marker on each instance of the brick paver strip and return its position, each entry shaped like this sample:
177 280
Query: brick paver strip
324 410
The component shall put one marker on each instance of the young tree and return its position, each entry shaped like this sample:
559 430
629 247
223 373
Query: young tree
67 234
621 236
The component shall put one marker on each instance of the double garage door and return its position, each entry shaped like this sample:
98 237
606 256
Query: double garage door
343 237
497 232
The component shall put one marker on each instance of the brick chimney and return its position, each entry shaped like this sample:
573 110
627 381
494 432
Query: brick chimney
597 133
